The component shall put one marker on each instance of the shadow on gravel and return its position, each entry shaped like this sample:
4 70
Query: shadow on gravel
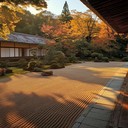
21 110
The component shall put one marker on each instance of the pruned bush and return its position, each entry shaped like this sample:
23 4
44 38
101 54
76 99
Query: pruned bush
59 57
8 71
46 66
125 58
97 55
56 66
2 71
105 59
36 69
31 65
86 53
72 59
3 64
13 64
52 55
97 60
34 64
49 56
22 63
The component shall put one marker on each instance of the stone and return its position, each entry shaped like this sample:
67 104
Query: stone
47 73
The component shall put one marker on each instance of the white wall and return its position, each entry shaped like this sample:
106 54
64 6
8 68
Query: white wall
5 52
9 52
27 52
17 52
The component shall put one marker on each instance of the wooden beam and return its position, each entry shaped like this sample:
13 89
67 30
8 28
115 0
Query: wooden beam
29 48
114 13
14 50
97 13
0 49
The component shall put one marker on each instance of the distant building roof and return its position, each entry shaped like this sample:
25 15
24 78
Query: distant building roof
24 38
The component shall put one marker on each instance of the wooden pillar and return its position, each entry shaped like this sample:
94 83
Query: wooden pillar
14 50
23 52
29 48
0 49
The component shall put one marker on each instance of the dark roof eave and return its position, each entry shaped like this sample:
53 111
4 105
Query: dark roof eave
95 11
104 10
18 42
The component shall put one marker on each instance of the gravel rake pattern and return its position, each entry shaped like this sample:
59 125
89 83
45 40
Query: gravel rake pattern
30 101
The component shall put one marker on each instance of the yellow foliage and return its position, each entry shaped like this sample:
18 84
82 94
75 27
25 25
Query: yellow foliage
105 31
8 18
78 25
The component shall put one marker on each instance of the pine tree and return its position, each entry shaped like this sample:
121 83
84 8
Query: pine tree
65 15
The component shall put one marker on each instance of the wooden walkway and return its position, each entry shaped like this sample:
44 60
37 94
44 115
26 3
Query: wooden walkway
119 117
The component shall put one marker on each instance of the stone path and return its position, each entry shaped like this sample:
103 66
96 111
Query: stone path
98 114
33 101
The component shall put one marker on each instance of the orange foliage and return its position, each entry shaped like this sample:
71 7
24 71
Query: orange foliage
106 33
58 32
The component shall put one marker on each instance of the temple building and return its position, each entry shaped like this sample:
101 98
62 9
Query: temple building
19 45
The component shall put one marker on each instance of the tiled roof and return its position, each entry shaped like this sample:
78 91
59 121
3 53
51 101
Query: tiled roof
24 38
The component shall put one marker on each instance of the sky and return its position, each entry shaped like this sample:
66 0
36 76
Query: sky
56 6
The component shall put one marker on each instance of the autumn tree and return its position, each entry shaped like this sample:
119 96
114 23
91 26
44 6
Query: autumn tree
84 25
80 27
9 13
31 24
65 15
58 32
91 25
106 32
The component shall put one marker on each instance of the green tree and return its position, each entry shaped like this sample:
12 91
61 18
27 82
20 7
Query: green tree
65 15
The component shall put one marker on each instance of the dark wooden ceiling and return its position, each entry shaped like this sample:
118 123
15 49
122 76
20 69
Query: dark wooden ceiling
114 12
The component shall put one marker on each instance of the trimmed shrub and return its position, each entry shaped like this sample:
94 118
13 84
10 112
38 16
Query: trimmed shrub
105 59
59 57
13 64
34 64
57 66
36 69
72 59
97 60
8 71
2 71
22 63
49 56
97 55
53 55
31 65
3 64
125 58
46 66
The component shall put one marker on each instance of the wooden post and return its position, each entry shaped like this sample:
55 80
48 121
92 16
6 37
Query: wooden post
0 49
29 49
14 49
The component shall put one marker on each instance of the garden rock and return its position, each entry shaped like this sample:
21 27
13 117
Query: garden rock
47 73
